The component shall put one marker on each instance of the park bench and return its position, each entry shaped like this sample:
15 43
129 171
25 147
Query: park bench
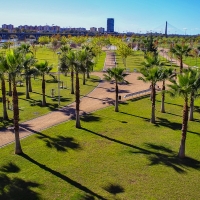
137 94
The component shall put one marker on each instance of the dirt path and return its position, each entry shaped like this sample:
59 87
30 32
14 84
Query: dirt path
101 97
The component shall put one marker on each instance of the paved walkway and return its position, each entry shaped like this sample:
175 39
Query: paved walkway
165 54
110 60
101 97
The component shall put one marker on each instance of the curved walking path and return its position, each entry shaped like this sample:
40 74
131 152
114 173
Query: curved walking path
102 96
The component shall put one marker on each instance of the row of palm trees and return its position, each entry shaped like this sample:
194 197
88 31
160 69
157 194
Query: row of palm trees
186 84
20 61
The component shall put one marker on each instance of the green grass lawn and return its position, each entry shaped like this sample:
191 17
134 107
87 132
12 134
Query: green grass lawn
100 64
192 61
46 54
114 156
31 108
132 62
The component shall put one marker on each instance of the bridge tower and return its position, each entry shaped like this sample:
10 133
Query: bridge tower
166 29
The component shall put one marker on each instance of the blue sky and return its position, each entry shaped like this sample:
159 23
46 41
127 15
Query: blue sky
129 15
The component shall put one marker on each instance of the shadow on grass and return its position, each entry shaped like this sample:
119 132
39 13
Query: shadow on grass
63 177
60 143
168 158
16 188
10 168
170 103
86 197
114 189
5 123
158 154
166 123
146 119
90 118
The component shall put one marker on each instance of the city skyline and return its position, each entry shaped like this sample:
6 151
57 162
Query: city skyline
130 15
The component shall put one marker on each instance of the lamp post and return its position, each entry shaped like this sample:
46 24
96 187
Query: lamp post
58 78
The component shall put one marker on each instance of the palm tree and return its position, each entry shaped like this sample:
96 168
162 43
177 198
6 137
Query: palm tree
86 59
25 49
117 74
71 62
166 74
14 60
43 69
152 75
180 51
28 61
195 80
182 87
3 69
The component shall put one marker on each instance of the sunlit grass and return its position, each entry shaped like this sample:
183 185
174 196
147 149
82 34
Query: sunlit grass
114 156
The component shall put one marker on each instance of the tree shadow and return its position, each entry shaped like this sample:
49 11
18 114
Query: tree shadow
114 189
158 154
90 118
173 114
146 119
5 123
63 177
170 160
193 132
171 103
10 168
60 143
87 197
16 188
166 123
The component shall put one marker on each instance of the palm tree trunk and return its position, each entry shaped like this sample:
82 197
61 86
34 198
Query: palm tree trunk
78 124
43 92
27 89
83 78
191 116
3 91
29 84
72 81
88 73
163 98
181 65
18 149
181 153
10 86
116 97
153 91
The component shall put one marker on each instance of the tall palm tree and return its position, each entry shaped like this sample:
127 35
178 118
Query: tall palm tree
3 69
166 74
182 87
79 65
180 51
14 60
25 49
71 57
28 62
195 81
117 74
86 61
43 68
152 75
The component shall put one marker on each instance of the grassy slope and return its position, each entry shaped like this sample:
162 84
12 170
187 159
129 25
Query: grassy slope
114 151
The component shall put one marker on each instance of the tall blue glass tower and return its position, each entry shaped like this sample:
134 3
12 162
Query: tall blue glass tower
110 25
